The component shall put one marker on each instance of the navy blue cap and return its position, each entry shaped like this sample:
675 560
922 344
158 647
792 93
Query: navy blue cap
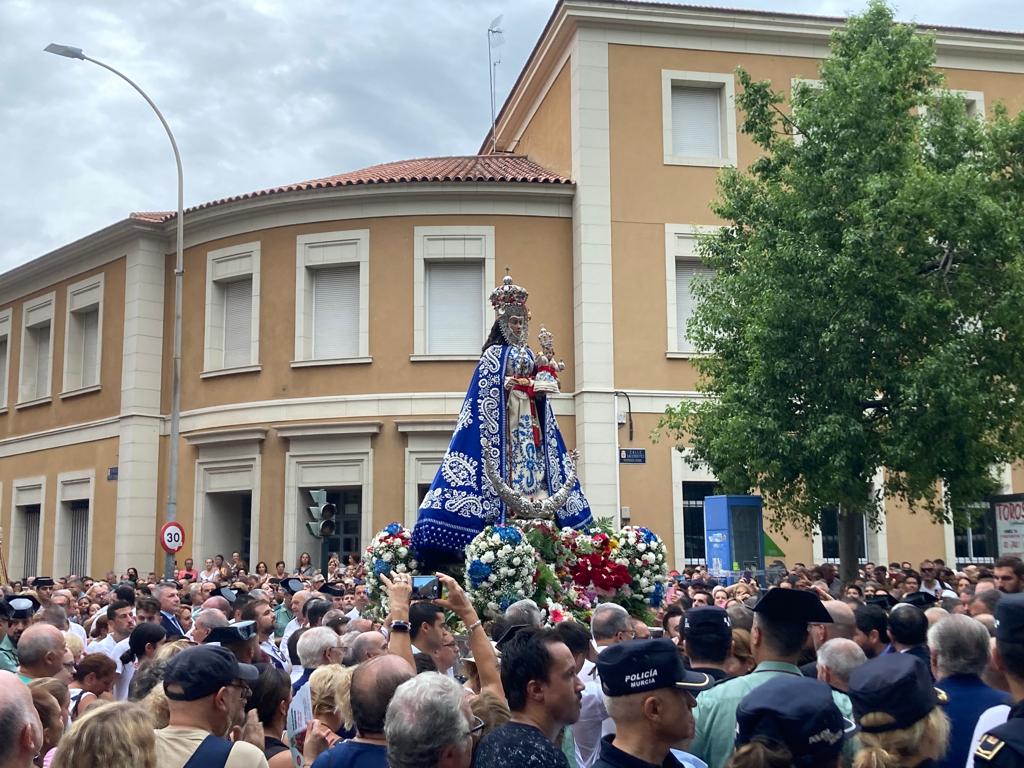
226 592
883 600
920 599
5 610
198 672
709 619
23 606
292 585
798 712
331 590
239 632
794 605
1010 619
646 665
42 581
896 684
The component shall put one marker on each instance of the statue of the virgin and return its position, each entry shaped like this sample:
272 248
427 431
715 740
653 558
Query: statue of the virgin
507 459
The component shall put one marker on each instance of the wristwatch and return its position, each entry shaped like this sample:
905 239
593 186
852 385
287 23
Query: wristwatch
400 626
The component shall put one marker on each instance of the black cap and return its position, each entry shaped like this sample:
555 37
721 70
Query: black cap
23 606
42 581
331 590
226 592
292 585
897 684
238 632
920 600
5 610
198 672
798 712
510 631
795 605
708 619
646 665
1010 619
883 600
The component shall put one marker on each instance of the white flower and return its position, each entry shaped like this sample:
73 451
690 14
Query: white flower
386 557
644 581
487 557
517 561
403 551
496 539
520 593
401 568
493 606
641 547
492 578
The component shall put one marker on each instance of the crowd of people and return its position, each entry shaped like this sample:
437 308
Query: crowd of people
223 666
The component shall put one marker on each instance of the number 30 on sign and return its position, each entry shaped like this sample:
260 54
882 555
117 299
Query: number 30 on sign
172 537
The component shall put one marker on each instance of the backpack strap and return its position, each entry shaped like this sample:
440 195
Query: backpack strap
212 753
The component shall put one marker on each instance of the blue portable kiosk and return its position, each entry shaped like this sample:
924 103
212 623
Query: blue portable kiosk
734 537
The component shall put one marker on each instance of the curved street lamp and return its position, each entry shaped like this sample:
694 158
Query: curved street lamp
170 513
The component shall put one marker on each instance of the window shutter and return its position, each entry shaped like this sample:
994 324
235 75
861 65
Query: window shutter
3 371
696 121
31 551
455 307
79 515
90 322
41 339
238 323
686 271
336 312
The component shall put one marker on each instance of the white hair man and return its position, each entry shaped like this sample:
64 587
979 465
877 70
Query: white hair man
428 723
609 625
836 660
524 612
960 650
317 647
41 652
204 622
21 732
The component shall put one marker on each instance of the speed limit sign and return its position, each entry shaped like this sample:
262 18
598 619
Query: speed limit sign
172 537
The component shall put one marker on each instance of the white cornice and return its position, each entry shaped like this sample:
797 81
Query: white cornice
226 436
432 426
335 429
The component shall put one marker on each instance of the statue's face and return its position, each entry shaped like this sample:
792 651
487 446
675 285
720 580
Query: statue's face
515 326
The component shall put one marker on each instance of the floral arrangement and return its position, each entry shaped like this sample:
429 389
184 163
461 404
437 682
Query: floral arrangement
642 553
390 551
501 566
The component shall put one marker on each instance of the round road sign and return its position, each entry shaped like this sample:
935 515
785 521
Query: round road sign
172 537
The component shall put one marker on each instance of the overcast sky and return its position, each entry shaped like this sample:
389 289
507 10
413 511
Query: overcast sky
261 93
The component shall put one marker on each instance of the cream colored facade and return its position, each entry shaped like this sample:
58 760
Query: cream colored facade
265 417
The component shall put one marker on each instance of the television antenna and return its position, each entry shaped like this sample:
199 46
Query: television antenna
495 39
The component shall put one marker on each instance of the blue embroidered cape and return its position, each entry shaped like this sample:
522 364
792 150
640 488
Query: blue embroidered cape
461 500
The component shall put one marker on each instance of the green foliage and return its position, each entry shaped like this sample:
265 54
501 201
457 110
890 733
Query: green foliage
866 306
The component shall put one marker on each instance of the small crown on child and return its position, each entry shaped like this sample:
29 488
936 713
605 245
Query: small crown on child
508 294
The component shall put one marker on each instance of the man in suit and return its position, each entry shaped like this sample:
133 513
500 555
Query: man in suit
167 595
908 632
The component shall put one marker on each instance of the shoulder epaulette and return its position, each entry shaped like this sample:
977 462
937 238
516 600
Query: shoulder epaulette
989 747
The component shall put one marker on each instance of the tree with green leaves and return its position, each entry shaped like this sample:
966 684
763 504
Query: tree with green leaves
866 306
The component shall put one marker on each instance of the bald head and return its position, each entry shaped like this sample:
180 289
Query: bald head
21 732
373 684
41 651
843 625
218 604
836 661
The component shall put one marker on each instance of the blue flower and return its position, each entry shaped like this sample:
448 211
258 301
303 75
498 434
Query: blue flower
478 572
648 535
508 534
658 595
393 529
505 603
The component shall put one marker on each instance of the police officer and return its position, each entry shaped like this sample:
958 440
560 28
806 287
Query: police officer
1004 745
781 629
707 640
789 721
650 695
240 638
23 608
8 654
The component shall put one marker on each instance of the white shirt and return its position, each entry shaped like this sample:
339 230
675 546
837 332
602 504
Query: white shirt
270 648
78 631
990 718
594 722
293 626
125 672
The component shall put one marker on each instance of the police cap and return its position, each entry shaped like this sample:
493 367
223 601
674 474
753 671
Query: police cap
794 605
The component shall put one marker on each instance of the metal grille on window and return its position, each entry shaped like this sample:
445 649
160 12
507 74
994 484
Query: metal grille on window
79 522
693 521
31 517
975 543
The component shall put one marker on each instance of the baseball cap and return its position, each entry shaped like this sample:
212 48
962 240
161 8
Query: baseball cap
793 605
198 672
898 685
647 665
1010 619
798 712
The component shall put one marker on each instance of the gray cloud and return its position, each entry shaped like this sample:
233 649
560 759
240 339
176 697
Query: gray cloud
261 93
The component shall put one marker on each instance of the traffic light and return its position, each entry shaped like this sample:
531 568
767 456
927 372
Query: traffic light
323 514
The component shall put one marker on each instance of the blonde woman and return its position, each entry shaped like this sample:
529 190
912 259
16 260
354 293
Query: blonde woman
323 692
75 645
896 708
109 735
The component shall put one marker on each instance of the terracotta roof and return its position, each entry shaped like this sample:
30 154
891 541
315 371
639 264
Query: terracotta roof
506 169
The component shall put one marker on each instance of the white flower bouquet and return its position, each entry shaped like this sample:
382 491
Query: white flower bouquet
644 554
500 569
389 552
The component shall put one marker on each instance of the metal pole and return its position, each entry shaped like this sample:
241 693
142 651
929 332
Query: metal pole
171 511
490 80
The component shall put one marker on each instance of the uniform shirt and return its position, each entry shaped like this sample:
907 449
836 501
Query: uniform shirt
613 757
990 718
277 657
518 745
175 745
969 697
8 655
353 754
715 713
1003 746
281 618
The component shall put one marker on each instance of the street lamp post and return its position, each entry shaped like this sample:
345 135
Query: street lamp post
179 271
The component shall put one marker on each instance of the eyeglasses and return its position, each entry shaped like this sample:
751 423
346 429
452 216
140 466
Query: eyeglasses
69 665
246 691
478 725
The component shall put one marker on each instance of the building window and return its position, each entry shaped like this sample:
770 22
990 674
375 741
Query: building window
36 350
693 521
5 355
332 297
830 536
232 308
453 273
682 268
27 526
698 118
975 543
83 332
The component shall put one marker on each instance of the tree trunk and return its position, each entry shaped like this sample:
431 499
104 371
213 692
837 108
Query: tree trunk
848 565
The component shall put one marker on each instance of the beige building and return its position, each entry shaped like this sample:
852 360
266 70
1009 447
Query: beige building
331 327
